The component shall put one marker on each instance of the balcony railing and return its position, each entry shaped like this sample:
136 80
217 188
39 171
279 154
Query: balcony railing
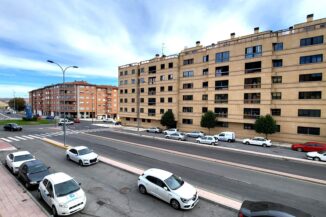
219 73
152 103
222 87
252 101
152 93
252 70
251 116
252 55
222 115
251 86
151 82
151 114
221 101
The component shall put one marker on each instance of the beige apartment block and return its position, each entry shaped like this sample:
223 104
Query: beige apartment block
282 73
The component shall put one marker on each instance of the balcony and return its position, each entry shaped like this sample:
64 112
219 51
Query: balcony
252 70
251 116
252 86
151 103
251 101
221 101
151 114
253 67
221 115
225 87
152 93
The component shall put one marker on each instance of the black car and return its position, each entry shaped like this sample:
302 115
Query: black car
263 208
32 172
12 127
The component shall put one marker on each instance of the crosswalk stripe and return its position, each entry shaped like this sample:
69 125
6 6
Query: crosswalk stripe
36 137
6 140
27 137
12 138
21 138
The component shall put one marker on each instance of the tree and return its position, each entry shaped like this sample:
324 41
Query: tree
265 124
208 120
168 119
17 104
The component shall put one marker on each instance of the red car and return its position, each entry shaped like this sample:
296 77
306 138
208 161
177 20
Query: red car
309 146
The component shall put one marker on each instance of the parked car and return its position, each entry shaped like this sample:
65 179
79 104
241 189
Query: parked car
154 130
309 146
262 208
32 172
169 188
170 131
82 155
14 160
49 117
62 121
210 140
176 136
77 120
62 193
317 156
109 120
12 127
258 141
225 136
195 134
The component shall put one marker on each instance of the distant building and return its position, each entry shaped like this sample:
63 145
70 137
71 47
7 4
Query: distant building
282 73
77 99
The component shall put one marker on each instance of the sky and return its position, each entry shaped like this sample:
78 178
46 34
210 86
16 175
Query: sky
100 35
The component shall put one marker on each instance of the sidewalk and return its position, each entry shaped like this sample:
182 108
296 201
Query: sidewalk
14 201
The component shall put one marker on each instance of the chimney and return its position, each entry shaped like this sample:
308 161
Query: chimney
291 28
256 29
232 35
157 55
310 17
197 43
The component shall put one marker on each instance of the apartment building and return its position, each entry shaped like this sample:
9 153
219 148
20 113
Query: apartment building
281 73
77 99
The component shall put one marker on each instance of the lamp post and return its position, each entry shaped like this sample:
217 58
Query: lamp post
14 101
92 107
63 84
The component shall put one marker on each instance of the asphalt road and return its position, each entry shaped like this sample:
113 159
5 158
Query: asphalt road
110 191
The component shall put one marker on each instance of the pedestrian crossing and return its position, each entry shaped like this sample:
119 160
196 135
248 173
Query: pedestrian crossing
51 134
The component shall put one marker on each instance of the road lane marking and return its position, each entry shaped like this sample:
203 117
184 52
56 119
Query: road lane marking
6 140
33 136
236 165
12 138
27 137
21 138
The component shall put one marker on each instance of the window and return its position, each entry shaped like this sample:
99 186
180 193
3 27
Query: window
170 100
250 83
170 88
187 121
222 57
253 67
126 100
310 95
162 77
312 41
221 71
121 73
126 90
121 109
133 100
187 97
121 91
133 81
170 77
142 90
311 59
252 52
151 80
162 100
221 98
132 109
187 109
277 63
276 112
121 100
142 70
248 126
126 72
310 77
205 84
188 74
142 100
206 58
161 111
309 112
278 128
162 88
205 71
188 61
309 130
152 70
141 110
141 80
133 90
162 66
221 85
222 124
170 65
126 82
204 109
151 101
251 113
133 71
276 79
221 112
121 82
188 85
151 112
126 109
204 97
276 95
278 46
251 98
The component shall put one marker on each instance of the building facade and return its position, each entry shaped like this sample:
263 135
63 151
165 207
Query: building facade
282 73
77 99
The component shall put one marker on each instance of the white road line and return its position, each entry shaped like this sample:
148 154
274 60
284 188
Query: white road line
27 137
36 137
6 140
21 138
12 138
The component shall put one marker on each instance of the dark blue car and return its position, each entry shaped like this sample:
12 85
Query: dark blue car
32 172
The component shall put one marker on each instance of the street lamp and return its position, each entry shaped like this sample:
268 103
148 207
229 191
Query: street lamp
63 84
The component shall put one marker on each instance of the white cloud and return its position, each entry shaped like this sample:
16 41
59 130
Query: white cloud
7 90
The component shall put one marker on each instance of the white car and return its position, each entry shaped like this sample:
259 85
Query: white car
62 193
63 121
170 131
82 155
258 141
176 136
14 160
210 140
109 121
169 188
225 136
317 156
153 130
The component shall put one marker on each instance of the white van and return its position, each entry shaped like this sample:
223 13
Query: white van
225 136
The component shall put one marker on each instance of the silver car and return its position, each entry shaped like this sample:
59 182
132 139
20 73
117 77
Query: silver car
196 134
176 136
154 130
210 140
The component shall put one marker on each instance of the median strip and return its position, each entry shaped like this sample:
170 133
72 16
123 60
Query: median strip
207 195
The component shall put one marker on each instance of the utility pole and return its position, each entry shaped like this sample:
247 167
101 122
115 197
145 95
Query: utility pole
14 101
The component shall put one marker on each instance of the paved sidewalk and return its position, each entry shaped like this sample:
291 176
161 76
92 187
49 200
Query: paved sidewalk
5 146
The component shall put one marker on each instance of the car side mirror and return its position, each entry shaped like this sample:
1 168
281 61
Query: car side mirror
79 184
165 188
49 168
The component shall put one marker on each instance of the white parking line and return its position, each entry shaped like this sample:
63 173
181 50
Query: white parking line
6 140
12 138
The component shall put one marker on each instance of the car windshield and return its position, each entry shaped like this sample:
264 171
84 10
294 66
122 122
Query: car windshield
84 151
14 125
37 168
23 157
174 182
66 188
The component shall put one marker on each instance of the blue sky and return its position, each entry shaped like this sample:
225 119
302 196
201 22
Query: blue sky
99 35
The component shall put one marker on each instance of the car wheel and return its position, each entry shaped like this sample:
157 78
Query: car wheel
67 157
299 149
54 211
27 185
264 145
81 163
247 143
197 141
13 171
147 131
212 143
39 195
175 204
316 158
142 189
179 139
229 140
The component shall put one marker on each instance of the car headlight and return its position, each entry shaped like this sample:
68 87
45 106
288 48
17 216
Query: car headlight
184 200
62 205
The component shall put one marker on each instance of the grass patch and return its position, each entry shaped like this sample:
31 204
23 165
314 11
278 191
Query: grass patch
21 122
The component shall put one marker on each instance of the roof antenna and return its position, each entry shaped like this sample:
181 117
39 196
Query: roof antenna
163 46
